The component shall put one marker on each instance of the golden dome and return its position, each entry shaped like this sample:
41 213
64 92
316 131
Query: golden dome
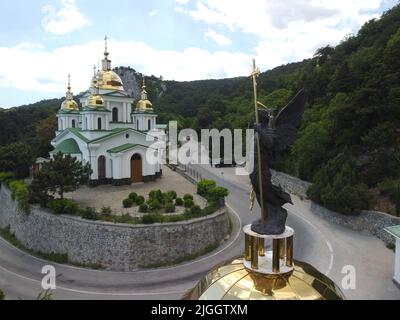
144 105
69 105
109 80
96 100
232 281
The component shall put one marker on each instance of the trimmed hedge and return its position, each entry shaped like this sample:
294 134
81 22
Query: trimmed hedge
127 203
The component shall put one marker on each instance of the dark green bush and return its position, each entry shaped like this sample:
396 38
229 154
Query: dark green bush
2 295
133 196
210 209
189 203
154 204
71 206
152 218
106 210
139 200
172 194
127 203
89 213
143 208
169 208
188 197
56 206
215 194
125 218
63 206
204 185
195 210
179 202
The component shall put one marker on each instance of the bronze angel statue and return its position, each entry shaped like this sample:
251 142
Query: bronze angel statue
275 134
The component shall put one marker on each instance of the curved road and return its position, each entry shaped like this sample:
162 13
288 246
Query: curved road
20 273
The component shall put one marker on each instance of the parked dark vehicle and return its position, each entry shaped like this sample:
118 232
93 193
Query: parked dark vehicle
222 163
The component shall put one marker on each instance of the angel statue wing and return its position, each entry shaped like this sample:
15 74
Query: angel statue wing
288 121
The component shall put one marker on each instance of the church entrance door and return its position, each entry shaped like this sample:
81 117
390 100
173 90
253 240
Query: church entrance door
136 168
102 167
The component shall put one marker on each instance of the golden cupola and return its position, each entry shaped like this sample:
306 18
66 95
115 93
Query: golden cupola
69 104
95 99
144 103
108 79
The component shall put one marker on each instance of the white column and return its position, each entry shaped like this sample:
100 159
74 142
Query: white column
397 262
124 119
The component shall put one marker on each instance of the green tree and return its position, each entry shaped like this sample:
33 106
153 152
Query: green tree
61 174
17 158
45 132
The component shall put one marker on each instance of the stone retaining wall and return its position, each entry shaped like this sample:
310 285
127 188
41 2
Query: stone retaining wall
119 247
372 222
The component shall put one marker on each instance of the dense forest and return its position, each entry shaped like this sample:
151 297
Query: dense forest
348 144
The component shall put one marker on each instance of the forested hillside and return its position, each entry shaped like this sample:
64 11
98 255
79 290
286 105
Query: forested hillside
349 140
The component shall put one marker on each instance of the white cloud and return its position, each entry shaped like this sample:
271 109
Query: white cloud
46 70
218 38
182 1
65 20
287 30
153 12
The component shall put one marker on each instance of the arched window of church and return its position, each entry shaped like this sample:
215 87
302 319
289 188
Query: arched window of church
73 123
115 114
149 124
137 124
86 124
99 124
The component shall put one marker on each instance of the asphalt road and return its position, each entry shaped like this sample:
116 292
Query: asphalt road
20 274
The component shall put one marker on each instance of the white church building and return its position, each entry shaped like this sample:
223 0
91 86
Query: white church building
109 131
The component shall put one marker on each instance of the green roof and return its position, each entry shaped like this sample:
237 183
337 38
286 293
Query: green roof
394 231
122 148
126 147
76 132
68 146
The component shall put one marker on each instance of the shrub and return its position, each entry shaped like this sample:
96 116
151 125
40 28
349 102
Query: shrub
6 177
195 210
204 185
133 196
70 206
179 202
57 206
106 210
169 208
188 197
156 195
20 193
154 204
215 194
2 295
143 208
152 218
139 200
127 203
172 194
210 209
89 213
125 218
189 203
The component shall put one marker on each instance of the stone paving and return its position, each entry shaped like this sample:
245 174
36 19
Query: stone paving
112 196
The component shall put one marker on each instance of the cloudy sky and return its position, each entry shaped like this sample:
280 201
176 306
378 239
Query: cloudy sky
42 41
